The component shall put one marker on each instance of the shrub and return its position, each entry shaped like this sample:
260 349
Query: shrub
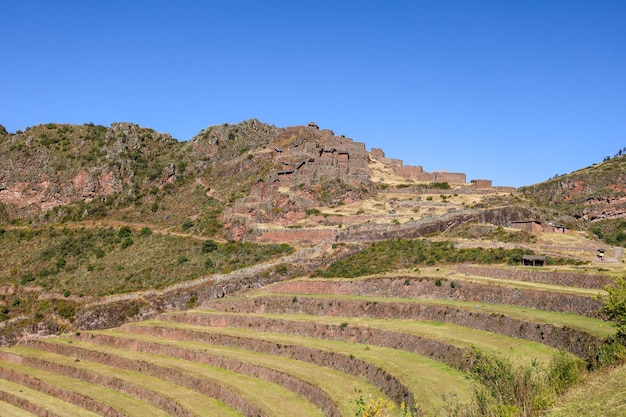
209 246
145 231
26 278
371 408
187 224
124 232
126 243
281 269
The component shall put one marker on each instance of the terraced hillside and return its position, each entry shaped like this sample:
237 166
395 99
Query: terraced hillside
264 271
303 346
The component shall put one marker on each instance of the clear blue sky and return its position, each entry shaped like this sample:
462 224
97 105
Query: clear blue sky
513 91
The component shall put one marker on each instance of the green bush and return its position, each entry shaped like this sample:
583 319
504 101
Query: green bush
614 304
209 246
187 224
124 232
126 243
395 254
313 212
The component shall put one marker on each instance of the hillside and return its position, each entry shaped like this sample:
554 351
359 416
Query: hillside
266 271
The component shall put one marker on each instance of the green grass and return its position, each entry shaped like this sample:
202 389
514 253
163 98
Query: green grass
463 337
45 401
596 327
188 399
274 399
122 402
394 254
9 410
427 378
602 395
337 385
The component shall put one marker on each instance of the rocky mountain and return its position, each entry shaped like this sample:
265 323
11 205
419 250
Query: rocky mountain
231 180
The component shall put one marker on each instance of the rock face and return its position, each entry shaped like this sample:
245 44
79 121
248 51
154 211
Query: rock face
52 165
591 194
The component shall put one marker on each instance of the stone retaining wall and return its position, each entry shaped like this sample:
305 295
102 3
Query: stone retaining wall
379 377
169 405
569 279
204 386
461 290
434 349
574 341
300 387
60 393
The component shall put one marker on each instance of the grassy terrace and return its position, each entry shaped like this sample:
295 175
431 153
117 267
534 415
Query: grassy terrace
426 378
337 385
9 410
124 403
44 401
596 327
271 398
458 336
182 397
453 276
586 292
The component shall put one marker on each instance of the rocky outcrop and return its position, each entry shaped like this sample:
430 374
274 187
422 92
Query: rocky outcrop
594 193
53 165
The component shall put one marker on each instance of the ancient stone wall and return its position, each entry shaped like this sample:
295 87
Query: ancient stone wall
425 287
482 184
343 363
574 341
304 389
569 279
417 172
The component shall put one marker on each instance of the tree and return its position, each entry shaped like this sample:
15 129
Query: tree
614 305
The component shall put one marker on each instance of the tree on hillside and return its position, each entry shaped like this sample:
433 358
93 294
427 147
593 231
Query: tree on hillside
614 305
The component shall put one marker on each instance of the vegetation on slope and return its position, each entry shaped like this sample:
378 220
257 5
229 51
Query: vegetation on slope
92 262
386 256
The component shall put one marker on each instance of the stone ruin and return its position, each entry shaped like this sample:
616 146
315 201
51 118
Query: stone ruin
309 162
417 173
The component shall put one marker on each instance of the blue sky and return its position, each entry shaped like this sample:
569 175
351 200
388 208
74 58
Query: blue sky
513 91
